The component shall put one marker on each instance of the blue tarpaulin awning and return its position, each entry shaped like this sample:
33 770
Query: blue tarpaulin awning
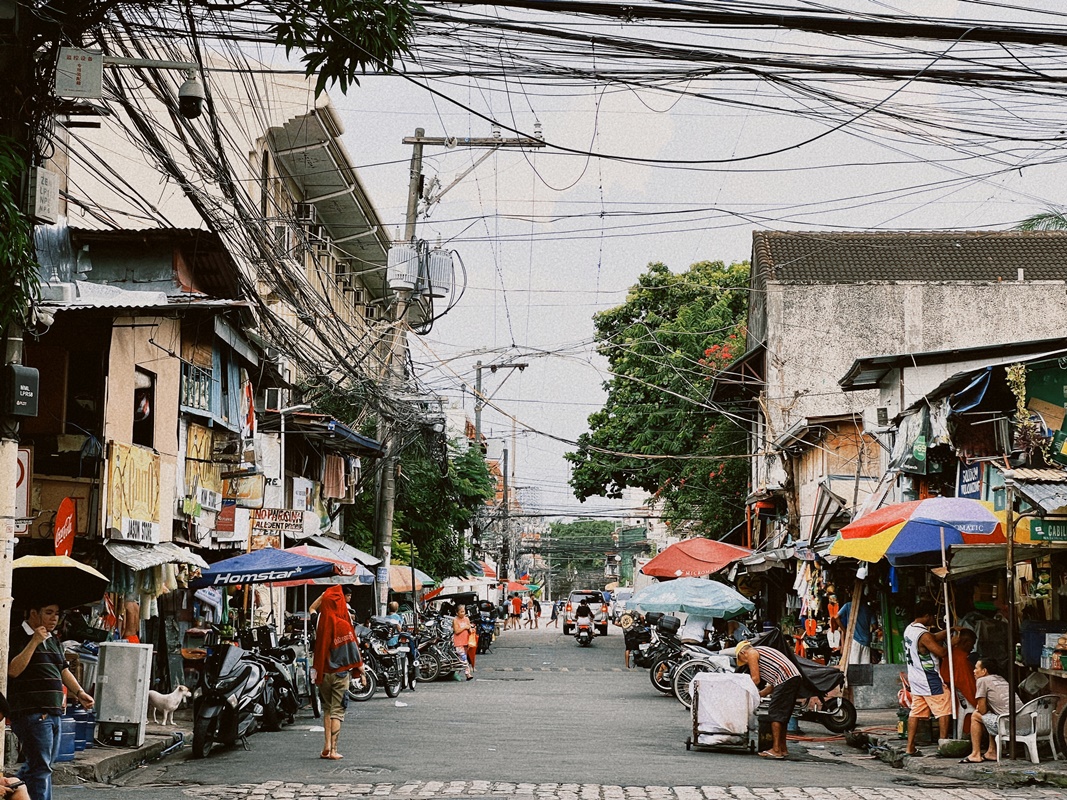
970 396
269 565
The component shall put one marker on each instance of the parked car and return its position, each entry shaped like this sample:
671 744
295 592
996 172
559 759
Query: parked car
596 602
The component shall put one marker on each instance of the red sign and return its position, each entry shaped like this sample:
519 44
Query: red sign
65 527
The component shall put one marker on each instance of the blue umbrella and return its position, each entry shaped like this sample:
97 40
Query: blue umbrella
696 596
268 565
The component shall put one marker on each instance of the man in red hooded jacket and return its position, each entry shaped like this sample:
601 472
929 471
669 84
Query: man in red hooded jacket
336 655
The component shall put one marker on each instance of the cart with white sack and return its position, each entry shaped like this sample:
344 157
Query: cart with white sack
724 712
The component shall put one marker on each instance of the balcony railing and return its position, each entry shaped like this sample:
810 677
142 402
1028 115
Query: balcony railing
196 387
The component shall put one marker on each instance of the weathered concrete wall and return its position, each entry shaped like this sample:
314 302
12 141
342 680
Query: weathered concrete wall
130 349
815 332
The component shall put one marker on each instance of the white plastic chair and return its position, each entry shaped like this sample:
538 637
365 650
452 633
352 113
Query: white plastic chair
963 709
1032 721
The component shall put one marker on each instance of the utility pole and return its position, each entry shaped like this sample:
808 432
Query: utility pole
388 431
505 535
478 403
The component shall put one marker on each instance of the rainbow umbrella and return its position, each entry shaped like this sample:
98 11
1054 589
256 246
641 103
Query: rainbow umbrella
918 531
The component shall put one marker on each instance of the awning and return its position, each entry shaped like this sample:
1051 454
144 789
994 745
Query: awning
324 430
827 505
769 559
146 556
970 559
970 396
1045 488
345 549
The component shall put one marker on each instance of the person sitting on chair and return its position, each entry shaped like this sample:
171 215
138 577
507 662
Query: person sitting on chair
993 692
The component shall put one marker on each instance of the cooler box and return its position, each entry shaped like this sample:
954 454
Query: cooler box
123 677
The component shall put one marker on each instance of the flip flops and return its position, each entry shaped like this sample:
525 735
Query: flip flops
982 760
769 754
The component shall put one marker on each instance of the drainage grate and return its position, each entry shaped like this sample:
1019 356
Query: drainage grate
360 771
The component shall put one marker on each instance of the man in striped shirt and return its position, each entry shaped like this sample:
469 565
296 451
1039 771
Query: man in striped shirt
781 681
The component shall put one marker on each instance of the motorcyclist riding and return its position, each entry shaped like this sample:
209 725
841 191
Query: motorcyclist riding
584 610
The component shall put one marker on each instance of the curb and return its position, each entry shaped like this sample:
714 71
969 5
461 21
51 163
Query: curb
100 764
891 751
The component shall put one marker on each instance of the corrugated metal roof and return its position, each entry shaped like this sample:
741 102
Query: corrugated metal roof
1041 475
838 257
140 556
1049 496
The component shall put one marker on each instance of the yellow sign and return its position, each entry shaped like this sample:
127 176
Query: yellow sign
132 512
201 470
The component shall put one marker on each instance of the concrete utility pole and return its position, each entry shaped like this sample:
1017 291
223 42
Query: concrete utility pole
505 529
395 376
395 379
478 403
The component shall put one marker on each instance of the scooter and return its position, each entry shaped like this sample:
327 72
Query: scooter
485 627
583 631
230 698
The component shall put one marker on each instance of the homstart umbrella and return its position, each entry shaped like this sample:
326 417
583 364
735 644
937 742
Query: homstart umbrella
698 596
268 565
43 580
347 570
694 558
918 531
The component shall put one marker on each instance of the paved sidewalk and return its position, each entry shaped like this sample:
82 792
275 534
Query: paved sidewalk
279 790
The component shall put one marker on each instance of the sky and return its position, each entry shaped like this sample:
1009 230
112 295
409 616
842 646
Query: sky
543 249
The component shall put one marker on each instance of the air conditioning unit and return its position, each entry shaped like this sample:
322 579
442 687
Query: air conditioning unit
359 296
305 213
123 677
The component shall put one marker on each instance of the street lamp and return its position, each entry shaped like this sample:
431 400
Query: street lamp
281 443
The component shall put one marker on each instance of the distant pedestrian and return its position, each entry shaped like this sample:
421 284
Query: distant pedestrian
535 611
461 630
554 621
516 611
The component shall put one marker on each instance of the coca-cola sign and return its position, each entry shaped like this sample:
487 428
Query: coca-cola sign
65 527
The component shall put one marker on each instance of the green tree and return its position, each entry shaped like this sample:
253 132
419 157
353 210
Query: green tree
438 494
656 430
578 550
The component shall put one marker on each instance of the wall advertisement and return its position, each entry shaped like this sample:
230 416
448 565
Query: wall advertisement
132 510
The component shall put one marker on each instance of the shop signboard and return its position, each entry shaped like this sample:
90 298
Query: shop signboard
969 481
132 510
245 491
267 527
65 527
1046 530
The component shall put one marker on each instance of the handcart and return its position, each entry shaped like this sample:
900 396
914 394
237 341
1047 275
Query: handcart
724 712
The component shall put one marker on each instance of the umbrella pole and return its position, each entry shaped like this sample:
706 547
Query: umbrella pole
948 630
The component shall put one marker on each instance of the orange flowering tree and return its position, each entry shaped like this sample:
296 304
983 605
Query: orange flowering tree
657 430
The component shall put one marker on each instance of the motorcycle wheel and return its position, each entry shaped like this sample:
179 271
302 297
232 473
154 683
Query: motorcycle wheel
360 689
392 683
660 673
429 667
313 698
272 718
203 736
838 715
683 677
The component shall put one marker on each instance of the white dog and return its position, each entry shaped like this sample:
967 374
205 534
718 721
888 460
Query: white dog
167 703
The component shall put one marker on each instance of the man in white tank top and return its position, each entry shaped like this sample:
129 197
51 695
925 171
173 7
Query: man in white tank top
923 652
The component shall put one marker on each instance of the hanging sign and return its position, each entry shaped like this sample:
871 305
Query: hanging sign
64 527
132 510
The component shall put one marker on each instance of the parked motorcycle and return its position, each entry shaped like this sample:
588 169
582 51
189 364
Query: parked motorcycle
230 699
381 663
485 627
836 714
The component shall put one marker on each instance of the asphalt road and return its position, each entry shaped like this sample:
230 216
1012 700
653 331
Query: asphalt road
541 710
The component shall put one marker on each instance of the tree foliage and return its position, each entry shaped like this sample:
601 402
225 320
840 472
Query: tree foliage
663 345
434 507
577 551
